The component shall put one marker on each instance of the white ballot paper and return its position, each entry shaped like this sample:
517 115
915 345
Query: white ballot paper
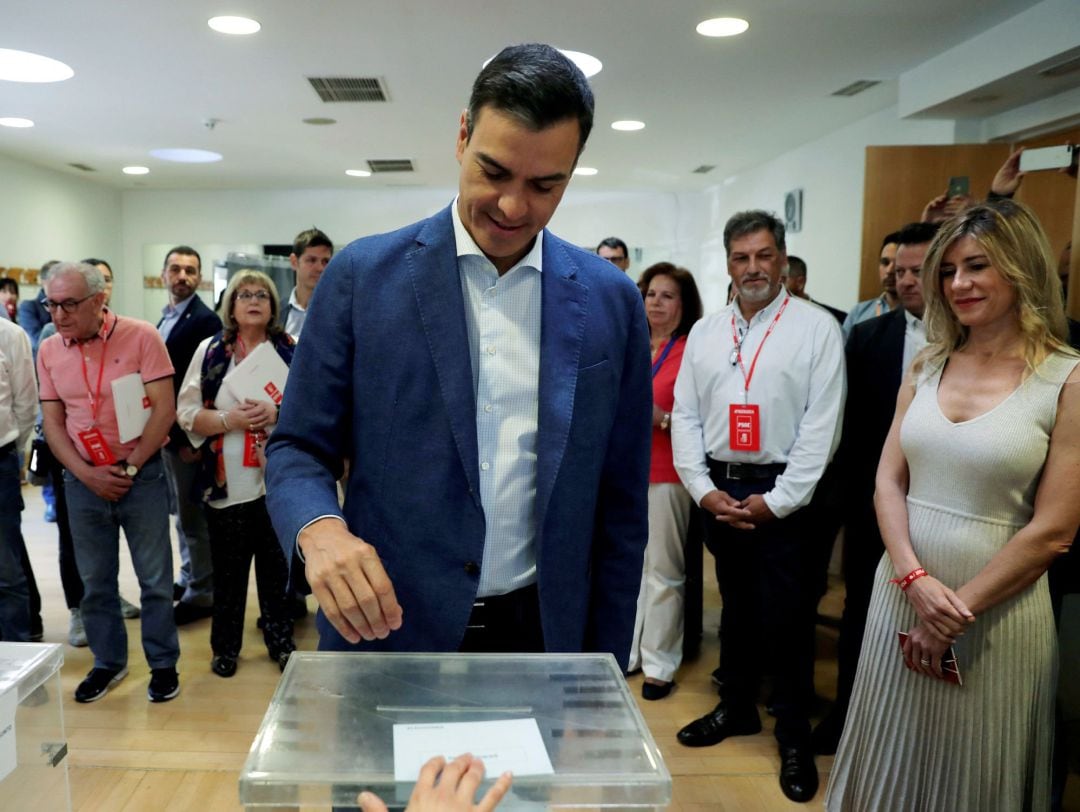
132 406
261 376
9 703
508 744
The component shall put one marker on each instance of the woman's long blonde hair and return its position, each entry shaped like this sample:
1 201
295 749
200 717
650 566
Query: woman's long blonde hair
1017 246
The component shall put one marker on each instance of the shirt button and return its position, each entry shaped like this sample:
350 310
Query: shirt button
491 350
484 466
488 407
472 568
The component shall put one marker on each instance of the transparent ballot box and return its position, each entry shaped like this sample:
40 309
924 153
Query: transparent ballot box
33 748
330 730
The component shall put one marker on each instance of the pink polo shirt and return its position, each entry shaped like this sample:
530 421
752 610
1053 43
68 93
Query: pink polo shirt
128 345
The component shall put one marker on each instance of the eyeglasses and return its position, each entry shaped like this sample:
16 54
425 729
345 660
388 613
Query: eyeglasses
68 305
247 295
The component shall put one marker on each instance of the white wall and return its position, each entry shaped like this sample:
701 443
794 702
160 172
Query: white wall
830 172
53 215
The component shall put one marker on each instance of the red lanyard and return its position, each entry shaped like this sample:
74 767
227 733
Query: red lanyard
738 345
95 397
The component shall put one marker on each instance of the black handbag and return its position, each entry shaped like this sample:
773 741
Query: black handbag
41 461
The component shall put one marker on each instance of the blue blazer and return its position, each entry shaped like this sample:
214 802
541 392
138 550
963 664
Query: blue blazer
383 377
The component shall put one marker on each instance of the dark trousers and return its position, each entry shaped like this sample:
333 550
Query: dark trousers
238 533
69 570
505 624
767 625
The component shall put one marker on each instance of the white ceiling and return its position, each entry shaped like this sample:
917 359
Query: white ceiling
149 73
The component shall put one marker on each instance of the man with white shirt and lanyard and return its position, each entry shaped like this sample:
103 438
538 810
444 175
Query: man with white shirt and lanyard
758 405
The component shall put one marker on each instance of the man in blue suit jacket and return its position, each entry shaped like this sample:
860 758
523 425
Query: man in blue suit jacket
489 384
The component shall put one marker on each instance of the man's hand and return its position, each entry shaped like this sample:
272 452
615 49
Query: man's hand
349 581
727 509
443 787
1008 178
107 481
759 510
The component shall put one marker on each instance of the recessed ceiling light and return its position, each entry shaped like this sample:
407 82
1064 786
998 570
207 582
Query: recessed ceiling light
23 66
722 27
234 25
136 170
319 121
628 125
587 64
16 122
358 173
585 170
186 156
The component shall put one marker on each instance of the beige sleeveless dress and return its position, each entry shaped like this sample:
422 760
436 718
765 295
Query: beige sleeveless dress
914 743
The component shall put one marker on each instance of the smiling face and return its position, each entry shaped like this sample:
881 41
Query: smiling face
975 290
663 305
512 179
755 264
252 307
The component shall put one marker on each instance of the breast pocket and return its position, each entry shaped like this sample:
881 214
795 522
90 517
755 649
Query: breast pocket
595 395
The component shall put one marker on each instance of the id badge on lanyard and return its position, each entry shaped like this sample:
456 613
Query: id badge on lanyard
97 448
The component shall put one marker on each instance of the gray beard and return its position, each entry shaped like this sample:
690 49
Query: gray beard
757 295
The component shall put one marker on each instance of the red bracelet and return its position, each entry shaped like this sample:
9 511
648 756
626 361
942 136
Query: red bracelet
908 579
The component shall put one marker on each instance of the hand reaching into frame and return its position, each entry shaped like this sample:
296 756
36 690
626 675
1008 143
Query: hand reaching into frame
446 787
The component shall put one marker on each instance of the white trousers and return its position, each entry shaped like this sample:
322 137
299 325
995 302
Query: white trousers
658 628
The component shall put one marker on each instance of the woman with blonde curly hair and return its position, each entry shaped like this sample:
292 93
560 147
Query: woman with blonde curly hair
975 499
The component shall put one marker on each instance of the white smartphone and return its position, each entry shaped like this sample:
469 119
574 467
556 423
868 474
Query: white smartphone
1034 160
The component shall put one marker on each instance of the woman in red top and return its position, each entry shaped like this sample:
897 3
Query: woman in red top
672 305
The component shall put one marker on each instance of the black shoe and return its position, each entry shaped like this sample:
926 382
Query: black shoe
826 736
717 678
798 775
164 684
37 630
652 691
223 666
184 613
281 659
97 683
714 727
178 591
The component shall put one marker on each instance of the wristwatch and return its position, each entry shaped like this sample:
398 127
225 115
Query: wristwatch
131 470
665 421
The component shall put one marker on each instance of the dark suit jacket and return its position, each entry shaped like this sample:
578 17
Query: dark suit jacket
197 323
837 314
33 317
383 377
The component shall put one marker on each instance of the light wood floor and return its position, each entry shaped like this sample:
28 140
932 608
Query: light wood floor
128 754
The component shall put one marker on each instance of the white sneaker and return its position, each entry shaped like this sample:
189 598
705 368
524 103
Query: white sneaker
76 630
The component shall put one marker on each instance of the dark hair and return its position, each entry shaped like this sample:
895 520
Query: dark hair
796 266
917 233
47 265
94 261
614 242
184 250
7 283
311 238
691 299
749 222
890 239
535 84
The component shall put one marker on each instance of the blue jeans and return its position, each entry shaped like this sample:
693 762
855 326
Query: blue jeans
14 590
95 528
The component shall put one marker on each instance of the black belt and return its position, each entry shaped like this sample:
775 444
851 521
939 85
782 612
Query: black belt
502 607
7 449
745 470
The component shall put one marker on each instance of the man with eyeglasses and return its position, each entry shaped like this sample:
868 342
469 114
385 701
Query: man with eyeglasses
111 484
185 322
614 251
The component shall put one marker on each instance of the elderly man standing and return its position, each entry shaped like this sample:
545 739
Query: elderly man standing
111 484
18 407
490 384
758 404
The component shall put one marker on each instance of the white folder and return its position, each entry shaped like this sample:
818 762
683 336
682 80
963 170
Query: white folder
261 376
132 406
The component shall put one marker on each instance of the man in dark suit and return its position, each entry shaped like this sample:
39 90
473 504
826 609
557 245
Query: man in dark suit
489 384
184 324
878 353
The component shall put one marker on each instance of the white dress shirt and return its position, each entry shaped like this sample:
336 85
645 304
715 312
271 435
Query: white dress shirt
18 385
798 385
502 317
294 320
914 338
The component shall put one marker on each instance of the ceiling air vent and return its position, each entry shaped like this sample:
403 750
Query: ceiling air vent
391 165
1062 68
82 167
856 87
349 89
704 169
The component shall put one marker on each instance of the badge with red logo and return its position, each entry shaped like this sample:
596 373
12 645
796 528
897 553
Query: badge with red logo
745 427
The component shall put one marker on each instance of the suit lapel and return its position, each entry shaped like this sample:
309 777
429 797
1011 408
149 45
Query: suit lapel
562 328
433 270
